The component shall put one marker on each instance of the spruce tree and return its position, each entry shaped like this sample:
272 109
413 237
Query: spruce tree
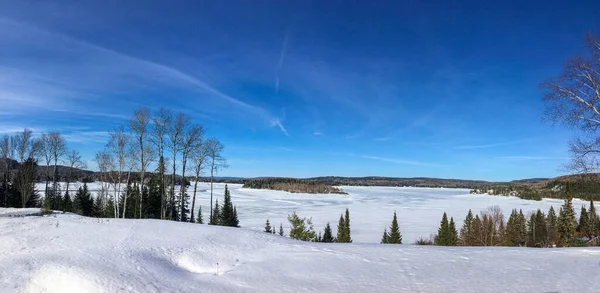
567 223
452 233
442 237
341 231
216 214
268 227
281 230
385 238
522 227
582 226
327 235
541 229
512 235
347 227
235 222
477 231
110 207
551 222
467 236
199 218
394 237
67 205
593 221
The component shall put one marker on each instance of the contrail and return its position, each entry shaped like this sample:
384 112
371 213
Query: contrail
281 59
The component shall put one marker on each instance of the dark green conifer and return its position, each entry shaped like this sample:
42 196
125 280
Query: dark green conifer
281 230
567 223
395 237
467 237
327 235
268 227
442 237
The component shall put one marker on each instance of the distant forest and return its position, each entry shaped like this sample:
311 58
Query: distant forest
292 185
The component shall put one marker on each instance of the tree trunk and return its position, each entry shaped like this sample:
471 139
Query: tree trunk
194 198
125 197
183 188
212 168
54 182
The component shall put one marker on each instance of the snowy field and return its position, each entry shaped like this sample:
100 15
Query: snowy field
70 253
419 210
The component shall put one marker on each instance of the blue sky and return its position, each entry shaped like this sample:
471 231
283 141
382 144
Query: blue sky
303 88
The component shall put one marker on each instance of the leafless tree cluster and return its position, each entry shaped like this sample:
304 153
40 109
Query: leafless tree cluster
573 99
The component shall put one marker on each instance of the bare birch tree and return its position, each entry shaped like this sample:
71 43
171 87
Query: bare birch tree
46 154
73 161
214 148
573 99
192 138
27 149
161 121
105 166
140 128
118 144
175 134
58 149
199 156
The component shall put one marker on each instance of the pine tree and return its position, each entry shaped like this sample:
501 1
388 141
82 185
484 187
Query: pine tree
281 230
512 235
341 230
582 226
541 229
327 235
67 205
394 237
301 228
385 239
228 213
97 208
199 218
347 222
567 223
551 222
522 227
216 214
83 202
452 233
110 207
467 236
477 231
443 238
268 227
593 221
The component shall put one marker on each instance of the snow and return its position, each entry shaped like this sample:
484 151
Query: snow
70 253
371 209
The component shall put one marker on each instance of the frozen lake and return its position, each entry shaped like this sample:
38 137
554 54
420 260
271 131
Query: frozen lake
419 210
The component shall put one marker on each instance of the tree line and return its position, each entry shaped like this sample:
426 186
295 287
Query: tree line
129 188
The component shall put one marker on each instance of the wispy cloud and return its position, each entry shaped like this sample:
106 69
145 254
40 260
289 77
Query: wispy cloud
282 54
385 138
111 70
399 161
540 158
318 133
87 137
491 145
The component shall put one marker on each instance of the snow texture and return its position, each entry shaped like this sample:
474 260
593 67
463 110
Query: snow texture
70 253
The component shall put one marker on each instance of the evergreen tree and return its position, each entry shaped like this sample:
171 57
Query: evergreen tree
341 230
394 237
522 226
327 234
301 228
199 219
347 227
97 208
67 203
467 235
268 227
567 223
593 221
541 229
477 231
216 214
551 222
228 213
452 233
582 226
512 235
110 207
281 230
385 239
443 236
83 202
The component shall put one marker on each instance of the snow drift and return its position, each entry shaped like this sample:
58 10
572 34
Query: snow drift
70 253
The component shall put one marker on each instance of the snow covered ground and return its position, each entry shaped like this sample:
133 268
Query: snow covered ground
371 208
70 253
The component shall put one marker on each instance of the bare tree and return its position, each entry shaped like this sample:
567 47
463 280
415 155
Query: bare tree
27 149
5 155
105 166
175 134
58 148
573 99
74 161
118 144
46 154
199 155
161 121
216 162
139 125
192 138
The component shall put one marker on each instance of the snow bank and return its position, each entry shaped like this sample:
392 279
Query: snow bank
69 253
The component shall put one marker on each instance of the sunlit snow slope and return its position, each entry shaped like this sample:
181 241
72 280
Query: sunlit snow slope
69 253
